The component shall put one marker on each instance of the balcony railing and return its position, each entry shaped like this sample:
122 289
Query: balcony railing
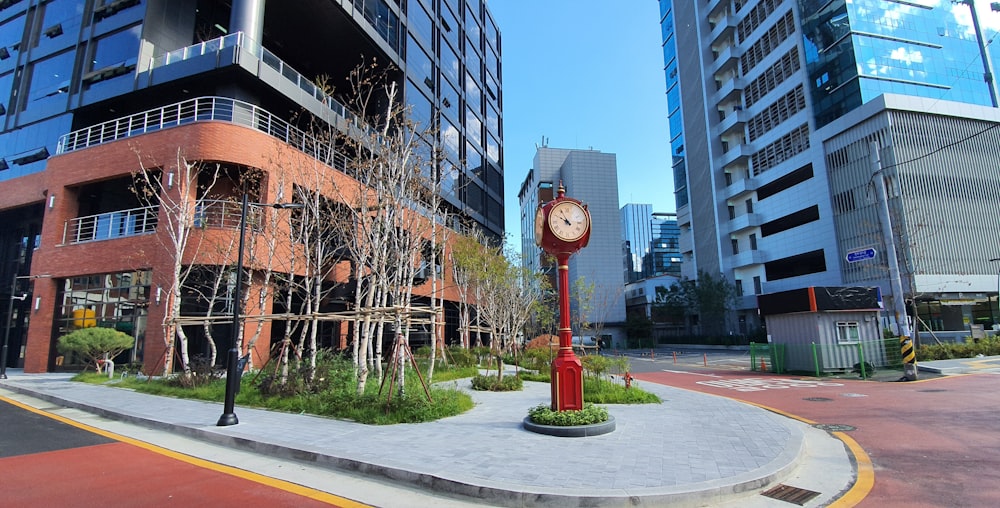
111 225
240 40
202 109
224 214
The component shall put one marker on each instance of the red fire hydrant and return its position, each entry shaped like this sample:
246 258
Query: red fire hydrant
628 380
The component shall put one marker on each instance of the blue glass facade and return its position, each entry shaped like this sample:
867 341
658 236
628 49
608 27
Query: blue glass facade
651 243
675 114
860 49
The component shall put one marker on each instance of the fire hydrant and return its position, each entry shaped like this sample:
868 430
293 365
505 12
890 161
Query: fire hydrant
628 380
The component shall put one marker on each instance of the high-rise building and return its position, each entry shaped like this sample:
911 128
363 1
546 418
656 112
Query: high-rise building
637 239
592 177
651 242
773 108
88 88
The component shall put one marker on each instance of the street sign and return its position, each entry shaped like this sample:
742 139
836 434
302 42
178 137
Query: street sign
860 255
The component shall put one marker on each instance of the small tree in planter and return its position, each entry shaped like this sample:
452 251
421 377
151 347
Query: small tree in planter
92 344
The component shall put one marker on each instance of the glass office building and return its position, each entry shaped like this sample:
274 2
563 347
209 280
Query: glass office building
763 96
86 81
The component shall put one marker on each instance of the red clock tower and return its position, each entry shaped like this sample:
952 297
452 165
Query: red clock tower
562 227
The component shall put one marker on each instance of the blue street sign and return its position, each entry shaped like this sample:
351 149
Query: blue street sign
860 255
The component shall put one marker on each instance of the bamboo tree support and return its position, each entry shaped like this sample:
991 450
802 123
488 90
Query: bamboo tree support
400 347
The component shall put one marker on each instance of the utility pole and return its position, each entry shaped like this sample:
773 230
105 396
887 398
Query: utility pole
895 283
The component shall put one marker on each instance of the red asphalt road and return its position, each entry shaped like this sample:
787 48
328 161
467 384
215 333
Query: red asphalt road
122 474
933 443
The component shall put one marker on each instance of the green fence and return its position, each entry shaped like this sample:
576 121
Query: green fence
863 357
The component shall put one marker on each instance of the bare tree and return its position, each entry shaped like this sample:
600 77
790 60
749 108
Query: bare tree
175 189
388 213
509 295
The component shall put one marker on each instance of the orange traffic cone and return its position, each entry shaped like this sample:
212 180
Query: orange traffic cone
763 366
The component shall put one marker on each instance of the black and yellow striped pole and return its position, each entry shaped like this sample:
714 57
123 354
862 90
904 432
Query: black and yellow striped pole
909 358
899 303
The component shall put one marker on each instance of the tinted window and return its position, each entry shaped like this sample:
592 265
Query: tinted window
418 64
115 49
790 221
793 266
795 177
449 63
420 22
50 77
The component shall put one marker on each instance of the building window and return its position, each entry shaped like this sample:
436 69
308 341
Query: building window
49 77
736 246
749 204
848 332
757 289
739 287
753 241
111 300
732 212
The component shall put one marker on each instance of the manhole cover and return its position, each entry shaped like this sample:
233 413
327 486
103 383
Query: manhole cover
932 390
817 399
853 395
834 427
790 494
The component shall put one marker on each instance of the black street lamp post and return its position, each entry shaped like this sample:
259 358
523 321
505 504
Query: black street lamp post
232 361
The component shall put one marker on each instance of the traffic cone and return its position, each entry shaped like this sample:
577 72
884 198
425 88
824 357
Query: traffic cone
763 366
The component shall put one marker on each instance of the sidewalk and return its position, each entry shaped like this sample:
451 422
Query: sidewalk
692 450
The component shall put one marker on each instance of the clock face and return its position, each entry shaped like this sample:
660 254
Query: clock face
568 221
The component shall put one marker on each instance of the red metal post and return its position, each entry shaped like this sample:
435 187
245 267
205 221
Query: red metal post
567 371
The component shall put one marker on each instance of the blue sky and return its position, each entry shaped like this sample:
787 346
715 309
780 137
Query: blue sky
585 74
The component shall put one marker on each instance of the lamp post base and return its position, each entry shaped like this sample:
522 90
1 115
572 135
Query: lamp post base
227 419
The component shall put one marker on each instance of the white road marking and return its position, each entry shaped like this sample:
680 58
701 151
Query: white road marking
761 384
692 373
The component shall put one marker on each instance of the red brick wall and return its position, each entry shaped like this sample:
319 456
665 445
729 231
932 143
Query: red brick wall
208 141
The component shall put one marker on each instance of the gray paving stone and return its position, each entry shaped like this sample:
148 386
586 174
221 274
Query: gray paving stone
687 449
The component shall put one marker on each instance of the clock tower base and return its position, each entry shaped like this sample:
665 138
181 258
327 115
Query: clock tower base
567 381
567 371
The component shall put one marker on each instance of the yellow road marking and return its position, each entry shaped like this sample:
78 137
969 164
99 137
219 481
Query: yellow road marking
984 363
286 486
866 470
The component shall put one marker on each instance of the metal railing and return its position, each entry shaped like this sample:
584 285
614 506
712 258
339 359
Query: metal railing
211 213
203 109
111 225
240 40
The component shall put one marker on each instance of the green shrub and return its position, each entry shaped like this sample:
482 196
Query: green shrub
92 344
537 359
989 346
543 376
589 415
450 372
333 392
461 356
595 365
493 384
602 391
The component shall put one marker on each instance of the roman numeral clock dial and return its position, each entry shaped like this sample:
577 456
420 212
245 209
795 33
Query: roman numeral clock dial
568 221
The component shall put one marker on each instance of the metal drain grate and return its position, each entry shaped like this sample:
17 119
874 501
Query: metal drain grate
790 494
932 390
834 427
817 399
